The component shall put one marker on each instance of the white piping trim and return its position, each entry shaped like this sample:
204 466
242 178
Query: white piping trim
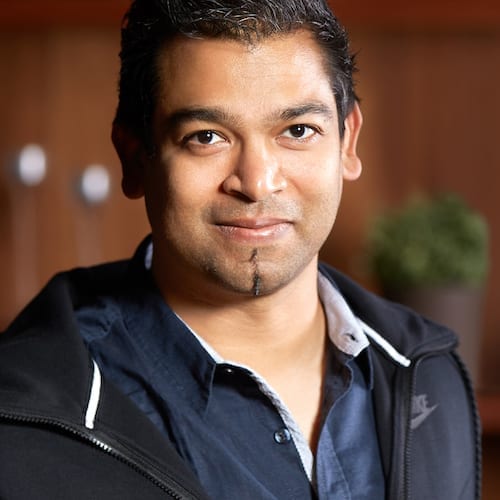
388 348
93 403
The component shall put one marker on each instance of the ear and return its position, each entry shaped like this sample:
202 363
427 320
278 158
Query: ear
131 153
351 163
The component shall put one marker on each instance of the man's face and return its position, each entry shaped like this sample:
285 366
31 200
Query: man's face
246 180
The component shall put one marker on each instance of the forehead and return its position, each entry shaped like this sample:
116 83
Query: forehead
222 71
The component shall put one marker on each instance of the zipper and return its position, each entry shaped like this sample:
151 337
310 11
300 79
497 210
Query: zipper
410 382
477 425
399 484
408 431
104 447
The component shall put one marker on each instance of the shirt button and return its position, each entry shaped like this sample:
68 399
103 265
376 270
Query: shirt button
351 336
282 436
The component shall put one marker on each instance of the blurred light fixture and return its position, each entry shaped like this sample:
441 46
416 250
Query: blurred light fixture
31 165
95 184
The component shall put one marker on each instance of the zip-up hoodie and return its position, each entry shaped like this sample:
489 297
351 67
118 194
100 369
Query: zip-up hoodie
68 433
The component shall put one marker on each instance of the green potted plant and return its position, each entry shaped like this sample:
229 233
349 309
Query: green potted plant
432 255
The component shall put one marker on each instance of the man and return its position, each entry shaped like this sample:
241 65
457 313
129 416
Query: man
222 361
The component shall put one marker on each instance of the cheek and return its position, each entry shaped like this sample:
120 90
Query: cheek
322 198
177 201
322 212
191 181
320 181
158 195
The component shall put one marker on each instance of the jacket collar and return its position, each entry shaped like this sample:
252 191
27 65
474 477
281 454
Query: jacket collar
388 324
46 330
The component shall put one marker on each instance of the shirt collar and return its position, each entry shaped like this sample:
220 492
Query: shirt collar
195 359
344 329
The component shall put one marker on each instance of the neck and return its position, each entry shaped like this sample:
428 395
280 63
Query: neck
281 336
260 332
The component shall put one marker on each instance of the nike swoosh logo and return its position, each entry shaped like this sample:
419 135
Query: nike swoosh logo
419 419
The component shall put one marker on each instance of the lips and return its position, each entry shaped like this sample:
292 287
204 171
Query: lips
256 223
255 229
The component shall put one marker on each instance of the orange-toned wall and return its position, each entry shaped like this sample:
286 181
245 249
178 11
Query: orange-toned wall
429 79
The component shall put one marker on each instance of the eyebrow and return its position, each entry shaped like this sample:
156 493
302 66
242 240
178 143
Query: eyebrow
203 114
219 115
306 109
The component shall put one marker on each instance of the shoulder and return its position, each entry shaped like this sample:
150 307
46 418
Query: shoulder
66 290
432 399
408 331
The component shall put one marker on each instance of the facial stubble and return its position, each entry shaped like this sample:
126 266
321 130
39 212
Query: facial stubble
256 276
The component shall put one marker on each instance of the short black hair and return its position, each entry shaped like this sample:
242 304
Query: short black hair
149 24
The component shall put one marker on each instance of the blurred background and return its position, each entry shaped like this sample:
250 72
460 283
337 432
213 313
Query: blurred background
429 80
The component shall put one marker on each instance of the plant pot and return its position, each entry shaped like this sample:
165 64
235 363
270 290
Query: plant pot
457 307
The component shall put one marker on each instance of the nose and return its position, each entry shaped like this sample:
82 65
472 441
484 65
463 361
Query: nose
256 175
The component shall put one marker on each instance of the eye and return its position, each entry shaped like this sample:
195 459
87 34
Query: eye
299 131
204 137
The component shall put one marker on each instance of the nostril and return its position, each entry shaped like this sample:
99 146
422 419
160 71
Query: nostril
256 185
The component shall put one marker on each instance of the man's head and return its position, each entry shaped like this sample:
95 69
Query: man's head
151 24
230 130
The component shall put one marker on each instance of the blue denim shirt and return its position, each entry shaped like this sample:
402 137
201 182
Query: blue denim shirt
224 420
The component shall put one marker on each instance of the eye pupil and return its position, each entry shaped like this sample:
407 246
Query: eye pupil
297 130
205 137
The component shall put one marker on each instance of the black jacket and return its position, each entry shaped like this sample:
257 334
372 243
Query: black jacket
425 413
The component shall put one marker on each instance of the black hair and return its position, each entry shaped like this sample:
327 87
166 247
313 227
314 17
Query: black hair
150 24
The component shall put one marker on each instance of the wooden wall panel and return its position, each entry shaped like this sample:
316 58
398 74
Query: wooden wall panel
385 13
58 89
441 14
36 14
430 103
